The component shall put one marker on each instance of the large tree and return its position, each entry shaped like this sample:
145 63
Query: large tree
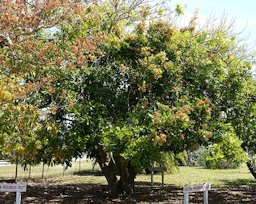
116 80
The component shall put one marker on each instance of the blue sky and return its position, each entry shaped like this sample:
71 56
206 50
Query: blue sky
243 11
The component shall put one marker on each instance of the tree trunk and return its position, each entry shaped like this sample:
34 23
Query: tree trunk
251 168
127 175
115 166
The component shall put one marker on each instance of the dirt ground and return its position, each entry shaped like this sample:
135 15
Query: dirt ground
53 192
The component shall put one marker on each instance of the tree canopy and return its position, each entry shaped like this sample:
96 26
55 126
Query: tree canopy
118 81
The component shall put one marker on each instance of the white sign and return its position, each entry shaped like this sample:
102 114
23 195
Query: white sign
197 188
13 187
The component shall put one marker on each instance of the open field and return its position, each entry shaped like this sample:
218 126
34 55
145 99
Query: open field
229 186
39 171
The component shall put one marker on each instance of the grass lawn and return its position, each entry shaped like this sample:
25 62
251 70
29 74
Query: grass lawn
185 175
198 175
232 186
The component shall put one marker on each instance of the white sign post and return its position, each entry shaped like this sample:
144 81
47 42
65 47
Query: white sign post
14 187
196 188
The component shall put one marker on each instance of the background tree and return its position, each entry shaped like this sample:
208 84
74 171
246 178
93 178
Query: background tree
26 50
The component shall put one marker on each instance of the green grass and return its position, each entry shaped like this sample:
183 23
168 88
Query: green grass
8 171
198 175
185 176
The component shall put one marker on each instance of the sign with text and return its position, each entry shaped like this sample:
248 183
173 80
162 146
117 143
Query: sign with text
197 188
13 187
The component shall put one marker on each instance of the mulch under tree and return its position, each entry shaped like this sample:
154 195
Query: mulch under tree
53 192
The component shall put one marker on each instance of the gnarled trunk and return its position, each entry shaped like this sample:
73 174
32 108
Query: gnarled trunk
115 166
127 175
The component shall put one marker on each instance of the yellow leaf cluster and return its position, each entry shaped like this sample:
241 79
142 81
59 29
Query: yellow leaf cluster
6 95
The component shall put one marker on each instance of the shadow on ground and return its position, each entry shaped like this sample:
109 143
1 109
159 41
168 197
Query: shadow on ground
89 173
239 182
51 192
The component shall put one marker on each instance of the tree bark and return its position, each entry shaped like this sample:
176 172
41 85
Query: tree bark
127 175
107 166
115 166
251 168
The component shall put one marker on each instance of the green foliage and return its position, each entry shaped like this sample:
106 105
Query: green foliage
225 154
172 161
159 90
197 157
19 132
179 10
127 142
115 78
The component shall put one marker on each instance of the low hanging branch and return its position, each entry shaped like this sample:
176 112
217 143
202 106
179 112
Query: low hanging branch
251 168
